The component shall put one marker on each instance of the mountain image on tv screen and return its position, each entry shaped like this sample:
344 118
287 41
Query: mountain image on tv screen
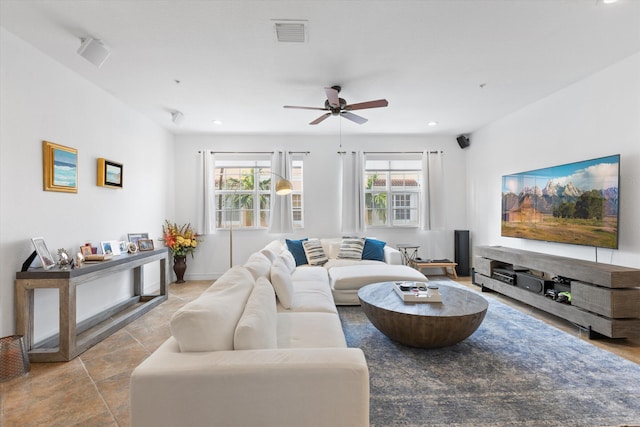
576 203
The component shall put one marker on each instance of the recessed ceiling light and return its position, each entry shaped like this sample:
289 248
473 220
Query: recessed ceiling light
432 124
217 122
609 1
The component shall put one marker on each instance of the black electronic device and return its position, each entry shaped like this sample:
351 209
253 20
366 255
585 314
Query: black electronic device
505 275
533 283
462 252
463 141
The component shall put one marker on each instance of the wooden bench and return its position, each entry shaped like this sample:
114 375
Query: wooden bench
445 266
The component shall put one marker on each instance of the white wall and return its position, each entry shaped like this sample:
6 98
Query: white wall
321 193
42 100
595 117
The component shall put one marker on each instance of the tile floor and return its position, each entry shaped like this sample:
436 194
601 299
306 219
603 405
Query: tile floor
93 389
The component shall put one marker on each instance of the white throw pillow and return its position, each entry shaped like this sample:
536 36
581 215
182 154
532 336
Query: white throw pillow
208 323
288 259
351 248
314 252
270 254
282 284
257 328
259 265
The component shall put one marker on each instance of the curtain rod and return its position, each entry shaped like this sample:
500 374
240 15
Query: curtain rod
255 152
395 152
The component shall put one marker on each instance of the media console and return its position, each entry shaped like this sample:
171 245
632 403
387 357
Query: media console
605 298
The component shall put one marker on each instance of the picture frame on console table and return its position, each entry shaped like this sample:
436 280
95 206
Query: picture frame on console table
145 245
135 237
43 252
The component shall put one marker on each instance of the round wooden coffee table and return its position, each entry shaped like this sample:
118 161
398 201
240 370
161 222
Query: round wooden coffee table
423 324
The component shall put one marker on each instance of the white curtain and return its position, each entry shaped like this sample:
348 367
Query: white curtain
353 207
281 206
205 187
432 191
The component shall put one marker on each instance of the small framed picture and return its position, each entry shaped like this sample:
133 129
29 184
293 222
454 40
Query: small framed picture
43 252
59 168
124 246
145 244
106 248
134 237
109 173
85 250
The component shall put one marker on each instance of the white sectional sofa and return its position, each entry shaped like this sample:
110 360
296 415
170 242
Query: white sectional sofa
263 346
347 275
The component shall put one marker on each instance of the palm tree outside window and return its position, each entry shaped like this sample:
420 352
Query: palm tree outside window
392 193
243 193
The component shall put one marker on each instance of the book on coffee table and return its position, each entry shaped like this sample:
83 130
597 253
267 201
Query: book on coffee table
417 292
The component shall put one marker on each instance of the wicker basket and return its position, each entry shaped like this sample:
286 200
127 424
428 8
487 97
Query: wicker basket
14 360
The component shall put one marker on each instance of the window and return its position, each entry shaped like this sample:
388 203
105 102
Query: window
243 193
392 192
296 195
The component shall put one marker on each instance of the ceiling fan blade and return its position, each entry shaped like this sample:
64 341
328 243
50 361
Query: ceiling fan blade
353 117
319 119
305 108
332 96
369 104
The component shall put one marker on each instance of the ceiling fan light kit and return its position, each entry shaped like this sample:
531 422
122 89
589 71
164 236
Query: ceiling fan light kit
337 106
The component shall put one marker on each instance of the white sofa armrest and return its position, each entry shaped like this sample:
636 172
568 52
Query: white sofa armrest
392 255
281 387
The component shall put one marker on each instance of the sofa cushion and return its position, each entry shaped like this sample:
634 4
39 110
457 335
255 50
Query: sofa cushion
270 254
351 248
373 250
230 278
311 273
282 283
347 262
297 250
288 260
275 246
258 265
313 300
355 276
310 330
257 327
331 247
208 323
314 252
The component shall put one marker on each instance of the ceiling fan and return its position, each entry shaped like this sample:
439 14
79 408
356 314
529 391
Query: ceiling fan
338 106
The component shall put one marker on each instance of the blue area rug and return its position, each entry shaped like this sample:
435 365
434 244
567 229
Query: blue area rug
513 371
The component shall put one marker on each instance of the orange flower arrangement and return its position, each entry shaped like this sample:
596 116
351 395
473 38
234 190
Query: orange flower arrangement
181 240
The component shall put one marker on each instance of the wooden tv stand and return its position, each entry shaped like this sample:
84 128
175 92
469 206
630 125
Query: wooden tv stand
605 297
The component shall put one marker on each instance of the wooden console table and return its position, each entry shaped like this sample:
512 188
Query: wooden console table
74 338
445 266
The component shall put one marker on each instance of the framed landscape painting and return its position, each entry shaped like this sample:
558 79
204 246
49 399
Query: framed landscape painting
59 168
109 173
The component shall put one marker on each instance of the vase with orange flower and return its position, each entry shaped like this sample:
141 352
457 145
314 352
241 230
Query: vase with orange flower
181 240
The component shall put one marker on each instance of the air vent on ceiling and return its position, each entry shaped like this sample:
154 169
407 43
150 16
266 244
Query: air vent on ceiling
288 31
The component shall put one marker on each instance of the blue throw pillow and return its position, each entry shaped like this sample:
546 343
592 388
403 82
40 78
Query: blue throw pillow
373 250
297 250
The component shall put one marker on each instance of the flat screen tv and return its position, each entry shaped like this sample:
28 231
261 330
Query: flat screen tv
576 203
